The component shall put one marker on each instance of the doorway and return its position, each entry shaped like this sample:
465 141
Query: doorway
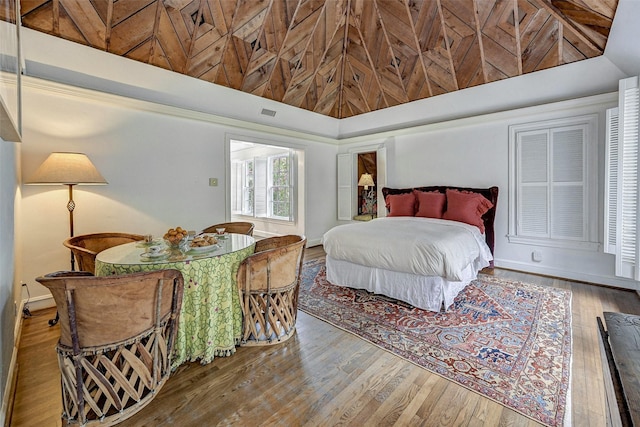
367 179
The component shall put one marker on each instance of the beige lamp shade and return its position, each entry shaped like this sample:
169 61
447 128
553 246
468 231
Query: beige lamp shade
67 168
366 181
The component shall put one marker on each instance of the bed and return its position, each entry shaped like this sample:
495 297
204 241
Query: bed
432 243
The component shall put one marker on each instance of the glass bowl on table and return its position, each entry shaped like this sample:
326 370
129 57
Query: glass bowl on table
176 239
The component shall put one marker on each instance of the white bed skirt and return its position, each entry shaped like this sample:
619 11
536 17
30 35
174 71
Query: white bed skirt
427 292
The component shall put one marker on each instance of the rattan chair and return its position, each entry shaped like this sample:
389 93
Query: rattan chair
85 247
116 341
269 281
237 227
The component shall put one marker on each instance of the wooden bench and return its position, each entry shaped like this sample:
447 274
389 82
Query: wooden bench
620 351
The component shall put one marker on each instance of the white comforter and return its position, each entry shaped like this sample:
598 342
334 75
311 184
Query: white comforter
422 246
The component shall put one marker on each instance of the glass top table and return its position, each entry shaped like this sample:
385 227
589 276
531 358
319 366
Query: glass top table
210 322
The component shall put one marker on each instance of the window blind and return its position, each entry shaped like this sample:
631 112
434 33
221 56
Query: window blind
626 241
611 186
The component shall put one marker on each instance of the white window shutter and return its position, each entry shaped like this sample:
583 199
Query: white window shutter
627 253
611 182
236 187
293 173
260 187
345 201
568 178
533 158
553 196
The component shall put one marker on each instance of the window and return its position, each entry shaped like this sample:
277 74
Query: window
552 189
280 187
622 192
263 186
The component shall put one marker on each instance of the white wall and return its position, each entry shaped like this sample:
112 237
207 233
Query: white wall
8 188
157 165
59 60
474 152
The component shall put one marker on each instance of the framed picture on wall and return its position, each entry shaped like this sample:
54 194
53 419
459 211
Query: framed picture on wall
10 71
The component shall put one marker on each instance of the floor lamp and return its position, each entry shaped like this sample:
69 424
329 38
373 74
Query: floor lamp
68 169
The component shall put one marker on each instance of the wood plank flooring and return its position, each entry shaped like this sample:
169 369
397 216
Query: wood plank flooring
324 376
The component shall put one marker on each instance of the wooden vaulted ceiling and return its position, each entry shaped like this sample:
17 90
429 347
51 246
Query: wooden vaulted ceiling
340 58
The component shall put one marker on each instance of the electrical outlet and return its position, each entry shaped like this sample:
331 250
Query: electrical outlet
536 256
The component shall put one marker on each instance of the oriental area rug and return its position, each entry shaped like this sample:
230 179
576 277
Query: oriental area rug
508 341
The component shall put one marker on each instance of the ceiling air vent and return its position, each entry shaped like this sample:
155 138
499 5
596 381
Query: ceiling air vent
269 113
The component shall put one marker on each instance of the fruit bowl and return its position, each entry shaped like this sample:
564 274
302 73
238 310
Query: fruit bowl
176 238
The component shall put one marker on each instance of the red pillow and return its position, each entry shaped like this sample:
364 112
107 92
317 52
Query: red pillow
467 207
430 203
401 204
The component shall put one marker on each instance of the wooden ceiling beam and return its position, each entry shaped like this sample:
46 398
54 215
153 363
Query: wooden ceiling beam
283 42
419 49
154 32
192 40
56 17
345 43
385 33
447 45
376 77
483 62
108 25
305 50
257 45
557 14
516 23
327 47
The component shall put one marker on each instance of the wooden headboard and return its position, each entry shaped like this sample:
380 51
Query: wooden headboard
488 218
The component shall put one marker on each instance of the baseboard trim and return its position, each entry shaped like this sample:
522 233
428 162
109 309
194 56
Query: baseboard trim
314 242
9 392
568 275
39 303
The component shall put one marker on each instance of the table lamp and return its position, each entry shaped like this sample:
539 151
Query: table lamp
366 181
67 169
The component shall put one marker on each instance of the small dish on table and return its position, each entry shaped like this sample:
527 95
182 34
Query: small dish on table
203 243
154 256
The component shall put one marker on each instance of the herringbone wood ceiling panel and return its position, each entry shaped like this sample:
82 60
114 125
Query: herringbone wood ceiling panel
340 58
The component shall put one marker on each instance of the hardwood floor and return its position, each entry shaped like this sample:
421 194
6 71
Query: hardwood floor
324 376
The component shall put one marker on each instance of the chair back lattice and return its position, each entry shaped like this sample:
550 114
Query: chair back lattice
269 281
116 341
85 247
237 227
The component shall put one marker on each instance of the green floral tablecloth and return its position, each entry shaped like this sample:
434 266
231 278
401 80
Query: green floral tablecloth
211 316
